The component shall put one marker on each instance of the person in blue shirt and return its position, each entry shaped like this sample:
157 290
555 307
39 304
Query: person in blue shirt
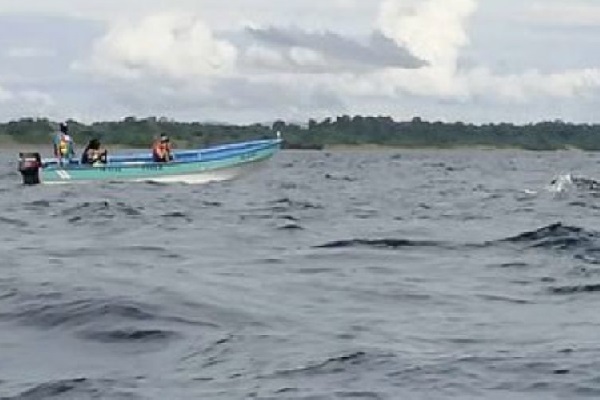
64 150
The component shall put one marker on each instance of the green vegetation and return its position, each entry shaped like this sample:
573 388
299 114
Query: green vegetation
343 130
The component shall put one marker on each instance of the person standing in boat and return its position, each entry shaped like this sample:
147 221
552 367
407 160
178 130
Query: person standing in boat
64 150
161 149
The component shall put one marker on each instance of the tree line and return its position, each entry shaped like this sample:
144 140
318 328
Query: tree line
342 130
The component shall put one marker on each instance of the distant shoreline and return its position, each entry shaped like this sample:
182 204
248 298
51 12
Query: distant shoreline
374 147
8 144
341 133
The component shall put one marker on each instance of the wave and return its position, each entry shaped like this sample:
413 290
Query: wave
13 222
52 311
336 364
563 183
573 289
129 335
344 178
100 210
211 203
38 204
583 244
290 227
54 389
75 388
556 236
379 243
80 312
286 204
178 215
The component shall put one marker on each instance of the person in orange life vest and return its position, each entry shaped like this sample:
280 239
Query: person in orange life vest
63 145
161 149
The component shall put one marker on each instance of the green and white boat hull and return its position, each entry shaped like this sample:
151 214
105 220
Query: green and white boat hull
194 167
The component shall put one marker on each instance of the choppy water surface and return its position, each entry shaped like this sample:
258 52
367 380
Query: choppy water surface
350 275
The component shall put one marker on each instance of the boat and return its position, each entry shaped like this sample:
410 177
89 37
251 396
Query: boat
217 163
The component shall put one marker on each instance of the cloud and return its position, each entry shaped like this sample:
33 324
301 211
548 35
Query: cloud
325 51
568 14
29 102
533 85
29 52
5 95
313 13
178 46
36 97
177 62
27 97
173 46
436 31
177 59
433 30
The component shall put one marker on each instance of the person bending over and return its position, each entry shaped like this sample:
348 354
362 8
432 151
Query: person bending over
94 153
161 150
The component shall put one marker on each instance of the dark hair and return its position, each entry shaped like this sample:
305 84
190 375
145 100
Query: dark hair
63 127
94 144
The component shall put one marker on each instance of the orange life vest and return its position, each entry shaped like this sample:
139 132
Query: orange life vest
161 148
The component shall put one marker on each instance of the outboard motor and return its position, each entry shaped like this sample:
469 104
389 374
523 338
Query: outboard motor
29 167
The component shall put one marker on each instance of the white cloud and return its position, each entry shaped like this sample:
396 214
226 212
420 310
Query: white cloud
154 60
433 30
533 85
178 57
436 31
184 47
173 46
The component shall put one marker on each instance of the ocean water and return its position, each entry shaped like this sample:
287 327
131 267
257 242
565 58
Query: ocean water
325 275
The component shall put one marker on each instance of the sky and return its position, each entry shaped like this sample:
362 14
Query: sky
256 61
